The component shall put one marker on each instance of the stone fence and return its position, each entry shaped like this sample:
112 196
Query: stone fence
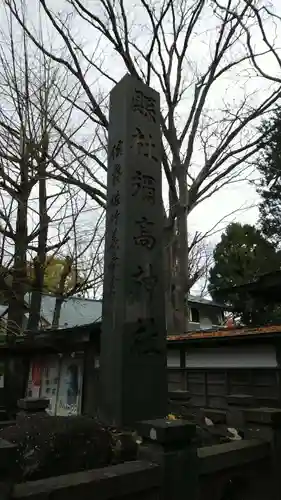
237 470
170 467
137 480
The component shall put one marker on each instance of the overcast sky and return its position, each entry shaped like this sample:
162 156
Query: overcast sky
225 205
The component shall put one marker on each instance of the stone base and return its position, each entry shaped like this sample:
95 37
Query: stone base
33 405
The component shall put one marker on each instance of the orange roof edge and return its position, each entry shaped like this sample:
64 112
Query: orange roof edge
227 332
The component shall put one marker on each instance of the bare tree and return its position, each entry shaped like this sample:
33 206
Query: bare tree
81 269
34 208
192 51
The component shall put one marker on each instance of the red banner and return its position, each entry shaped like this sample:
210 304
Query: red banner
36 374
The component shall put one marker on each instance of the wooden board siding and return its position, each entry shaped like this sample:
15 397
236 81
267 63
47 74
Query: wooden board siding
210 387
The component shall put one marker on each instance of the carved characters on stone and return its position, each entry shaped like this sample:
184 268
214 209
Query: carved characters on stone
145 278
112 269
144 105
144 185
116 175
115 199
114 203
143 144
146 338
114 217
144 237
114 245
117 150
138 183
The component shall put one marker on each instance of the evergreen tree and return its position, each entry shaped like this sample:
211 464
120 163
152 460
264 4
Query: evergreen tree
269 166
242 255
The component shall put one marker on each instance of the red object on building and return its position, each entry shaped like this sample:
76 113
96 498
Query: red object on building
36 374
230 323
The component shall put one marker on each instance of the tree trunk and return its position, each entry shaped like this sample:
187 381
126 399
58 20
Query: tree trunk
60 293
169 287
16 308
171 262
16 368
182 269
57 311
40 260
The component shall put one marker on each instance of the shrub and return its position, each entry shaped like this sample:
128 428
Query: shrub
51 446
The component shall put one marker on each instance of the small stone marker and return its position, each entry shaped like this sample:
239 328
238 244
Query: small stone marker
33 405
133 341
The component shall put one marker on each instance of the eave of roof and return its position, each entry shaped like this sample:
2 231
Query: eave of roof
225 333
194 299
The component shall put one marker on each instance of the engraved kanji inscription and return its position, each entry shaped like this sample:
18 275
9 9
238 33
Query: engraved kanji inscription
146 338
117 150
115 216
112 270
145 278
145 186
144 105
143 144
114 244
116 175
145 238
112 284
115 199
113 262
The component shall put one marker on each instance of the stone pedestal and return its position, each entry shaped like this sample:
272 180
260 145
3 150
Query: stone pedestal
170 444
179 402
28 406
237 403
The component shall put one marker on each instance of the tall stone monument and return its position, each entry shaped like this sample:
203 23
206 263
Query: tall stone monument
133 341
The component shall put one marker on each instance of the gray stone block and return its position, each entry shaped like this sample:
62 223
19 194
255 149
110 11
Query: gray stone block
133 340
33 404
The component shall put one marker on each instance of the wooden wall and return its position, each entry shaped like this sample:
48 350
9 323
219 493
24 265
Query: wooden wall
211 374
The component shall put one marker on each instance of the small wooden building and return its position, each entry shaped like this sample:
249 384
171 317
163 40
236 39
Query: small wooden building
212 365
63 365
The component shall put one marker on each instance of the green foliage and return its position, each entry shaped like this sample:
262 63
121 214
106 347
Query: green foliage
269 166
242 255
51 446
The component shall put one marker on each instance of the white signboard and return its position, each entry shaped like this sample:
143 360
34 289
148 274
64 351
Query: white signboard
70 387
50 381
59 380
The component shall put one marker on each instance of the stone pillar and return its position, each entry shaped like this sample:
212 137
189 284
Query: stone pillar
133 340
16 374
237 403
169 443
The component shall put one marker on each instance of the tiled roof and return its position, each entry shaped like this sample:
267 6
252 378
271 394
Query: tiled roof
226 332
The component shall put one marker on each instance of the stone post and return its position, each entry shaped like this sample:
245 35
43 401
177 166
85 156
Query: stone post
133 340
169 443
237 403
32 406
